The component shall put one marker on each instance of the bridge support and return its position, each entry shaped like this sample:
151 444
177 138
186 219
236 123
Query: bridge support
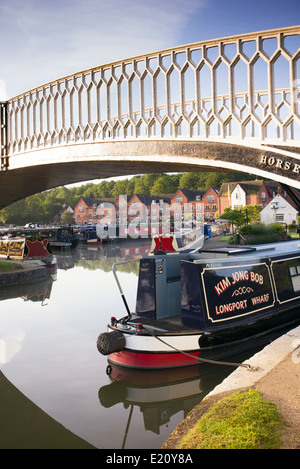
294 195
3 136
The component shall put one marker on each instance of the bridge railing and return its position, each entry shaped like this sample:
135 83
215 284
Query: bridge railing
240 87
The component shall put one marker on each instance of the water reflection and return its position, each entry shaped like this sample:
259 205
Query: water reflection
159 395
38 291
52 359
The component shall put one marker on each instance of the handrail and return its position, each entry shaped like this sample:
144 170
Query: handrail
119 285
180 92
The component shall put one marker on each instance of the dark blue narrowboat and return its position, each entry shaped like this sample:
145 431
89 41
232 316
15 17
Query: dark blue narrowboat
205 305
88 235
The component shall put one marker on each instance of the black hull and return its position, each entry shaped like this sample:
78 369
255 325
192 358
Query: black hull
228 345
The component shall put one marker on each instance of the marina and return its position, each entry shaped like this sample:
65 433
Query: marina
50 330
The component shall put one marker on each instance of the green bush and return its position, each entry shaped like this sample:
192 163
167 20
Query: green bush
261 234
263 239
257 229
277 228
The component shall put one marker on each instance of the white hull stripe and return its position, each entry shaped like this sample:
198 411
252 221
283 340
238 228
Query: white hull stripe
144 343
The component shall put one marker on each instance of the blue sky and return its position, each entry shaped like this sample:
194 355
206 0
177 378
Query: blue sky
44 40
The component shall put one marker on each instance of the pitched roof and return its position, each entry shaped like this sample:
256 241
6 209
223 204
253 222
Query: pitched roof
90 201
250 187
147 199
190 194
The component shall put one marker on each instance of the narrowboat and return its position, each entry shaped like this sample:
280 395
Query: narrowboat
58 236
34 249
88 235
202 305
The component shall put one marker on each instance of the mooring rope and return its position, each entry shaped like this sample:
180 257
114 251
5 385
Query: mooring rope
205 360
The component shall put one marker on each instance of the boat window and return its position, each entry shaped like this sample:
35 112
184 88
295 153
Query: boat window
295 277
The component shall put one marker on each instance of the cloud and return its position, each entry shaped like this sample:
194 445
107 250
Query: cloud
47 40
10 345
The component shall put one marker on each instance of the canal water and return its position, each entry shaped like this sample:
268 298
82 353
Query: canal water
48 334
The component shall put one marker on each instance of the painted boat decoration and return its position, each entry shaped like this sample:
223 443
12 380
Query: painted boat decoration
194 306
32 249
25 248
58 236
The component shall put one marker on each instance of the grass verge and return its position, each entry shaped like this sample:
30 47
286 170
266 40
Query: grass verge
243 420
6 266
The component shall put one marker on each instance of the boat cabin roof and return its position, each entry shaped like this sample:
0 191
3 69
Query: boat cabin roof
271 249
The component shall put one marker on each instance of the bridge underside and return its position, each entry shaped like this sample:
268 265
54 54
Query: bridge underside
53 167
21 183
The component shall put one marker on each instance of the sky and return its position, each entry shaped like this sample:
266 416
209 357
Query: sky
43 40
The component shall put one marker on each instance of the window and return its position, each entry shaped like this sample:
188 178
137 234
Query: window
207 208
210 198
295 277
279 217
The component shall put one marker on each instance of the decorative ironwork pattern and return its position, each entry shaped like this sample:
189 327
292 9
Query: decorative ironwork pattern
236 88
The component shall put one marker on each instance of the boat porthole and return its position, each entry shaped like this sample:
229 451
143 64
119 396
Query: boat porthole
108 370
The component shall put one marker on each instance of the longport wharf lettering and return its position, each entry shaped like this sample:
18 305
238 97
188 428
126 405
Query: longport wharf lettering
239 277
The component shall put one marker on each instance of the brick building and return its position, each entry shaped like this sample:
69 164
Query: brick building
240 194
184 204
187 203
210 204
87 211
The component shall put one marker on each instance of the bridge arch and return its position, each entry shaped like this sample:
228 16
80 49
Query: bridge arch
47 168
196 107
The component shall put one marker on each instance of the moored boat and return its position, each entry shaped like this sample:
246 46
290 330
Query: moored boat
58 236
194 306
34 249
88 235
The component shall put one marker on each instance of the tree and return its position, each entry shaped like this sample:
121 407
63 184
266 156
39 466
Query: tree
242 216
165 184
140 187
234 216
120 188
104 189
67 217
189 181
252 213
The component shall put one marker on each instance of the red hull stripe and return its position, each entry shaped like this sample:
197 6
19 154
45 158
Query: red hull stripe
153 360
